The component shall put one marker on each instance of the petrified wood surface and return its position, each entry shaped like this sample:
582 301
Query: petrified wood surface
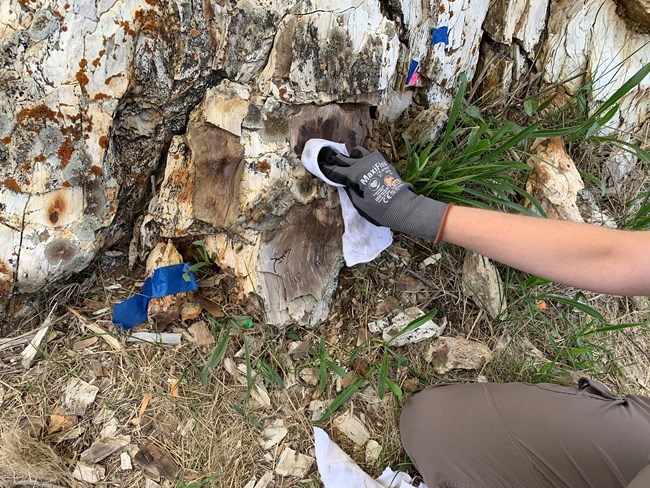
217 98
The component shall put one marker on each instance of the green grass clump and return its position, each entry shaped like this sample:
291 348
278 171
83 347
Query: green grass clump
480 161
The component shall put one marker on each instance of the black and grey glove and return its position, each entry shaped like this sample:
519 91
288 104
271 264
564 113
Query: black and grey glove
380 195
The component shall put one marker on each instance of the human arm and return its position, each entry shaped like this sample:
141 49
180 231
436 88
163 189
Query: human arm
590 257
595 258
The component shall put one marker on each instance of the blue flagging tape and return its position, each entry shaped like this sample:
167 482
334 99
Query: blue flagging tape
441 34
168 280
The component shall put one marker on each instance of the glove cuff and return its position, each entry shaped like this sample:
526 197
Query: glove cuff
417 215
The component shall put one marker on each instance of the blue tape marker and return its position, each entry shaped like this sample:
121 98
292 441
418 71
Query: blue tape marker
412 77
441 34
167 280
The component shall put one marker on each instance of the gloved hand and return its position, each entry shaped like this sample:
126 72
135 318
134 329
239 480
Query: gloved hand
379 194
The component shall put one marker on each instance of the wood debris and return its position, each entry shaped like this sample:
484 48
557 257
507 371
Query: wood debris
261 396
201 334
483 284
449 353
264 481
273 435
292 463
102 448
84 343
390 327
157 462
167 338
373 451
105 336
125 462
33 348
77 396
90 473
352 427
60 422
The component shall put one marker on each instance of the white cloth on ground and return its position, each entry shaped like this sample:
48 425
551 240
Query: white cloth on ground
338 470
363 241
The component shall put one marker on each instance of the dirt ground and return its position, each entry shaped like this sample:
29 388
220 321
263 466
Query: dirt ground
152 398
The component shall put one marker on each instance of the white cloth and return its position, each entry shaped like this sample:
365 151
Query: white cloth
338 470
363 241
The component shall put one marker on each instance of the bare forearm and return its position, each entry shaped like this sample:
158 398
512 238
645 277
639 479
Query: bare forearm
582 255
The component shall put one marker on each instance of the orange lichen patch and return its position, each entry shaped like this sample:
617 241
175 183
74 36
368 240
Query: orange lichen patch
152 2
263 166
64 28
101 96
451 14
111 208
96 62
39 159
103 142
81 78
6 275
58 14
27 166
194 33
11 184
55 209
83 63
6 140
443 83
66 184
66 6
110 78
441 9
148 22
96 170
126 26
65 152
28 182
40 112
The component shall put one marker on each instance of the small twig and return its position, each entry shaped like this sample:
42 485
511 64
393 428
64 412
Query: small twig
636 345
34 346
417 275
111 340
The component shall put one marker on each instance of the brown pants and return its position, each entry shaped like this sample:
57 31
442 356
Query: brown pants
523 435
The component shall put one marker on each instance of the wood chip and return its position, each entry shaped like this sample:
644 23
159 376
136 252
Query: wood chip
201 334
373 451
352 427
261 396
212 307
84 343
101 449
60 422
156 462
145 402
292 463
77 396
125 462
33 348
167 338
273 435
104 335
89 473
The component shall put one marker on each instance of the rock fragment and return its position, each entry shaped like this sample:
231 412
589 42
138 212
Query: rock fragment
90 473
373 451
449 353
390 327
292 463
482 283
77 396
273 435
352 427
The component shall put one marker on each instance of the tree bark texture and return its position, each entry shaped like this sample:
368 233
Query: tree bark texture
218 98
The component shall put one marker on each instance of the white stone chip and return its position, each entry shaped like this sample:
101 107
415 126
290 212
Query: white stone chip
273 435
373 451
77 396
352 427
292 463
90 473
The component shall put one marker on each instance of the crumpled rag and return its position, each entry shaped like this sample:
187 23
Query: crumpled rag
363 241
